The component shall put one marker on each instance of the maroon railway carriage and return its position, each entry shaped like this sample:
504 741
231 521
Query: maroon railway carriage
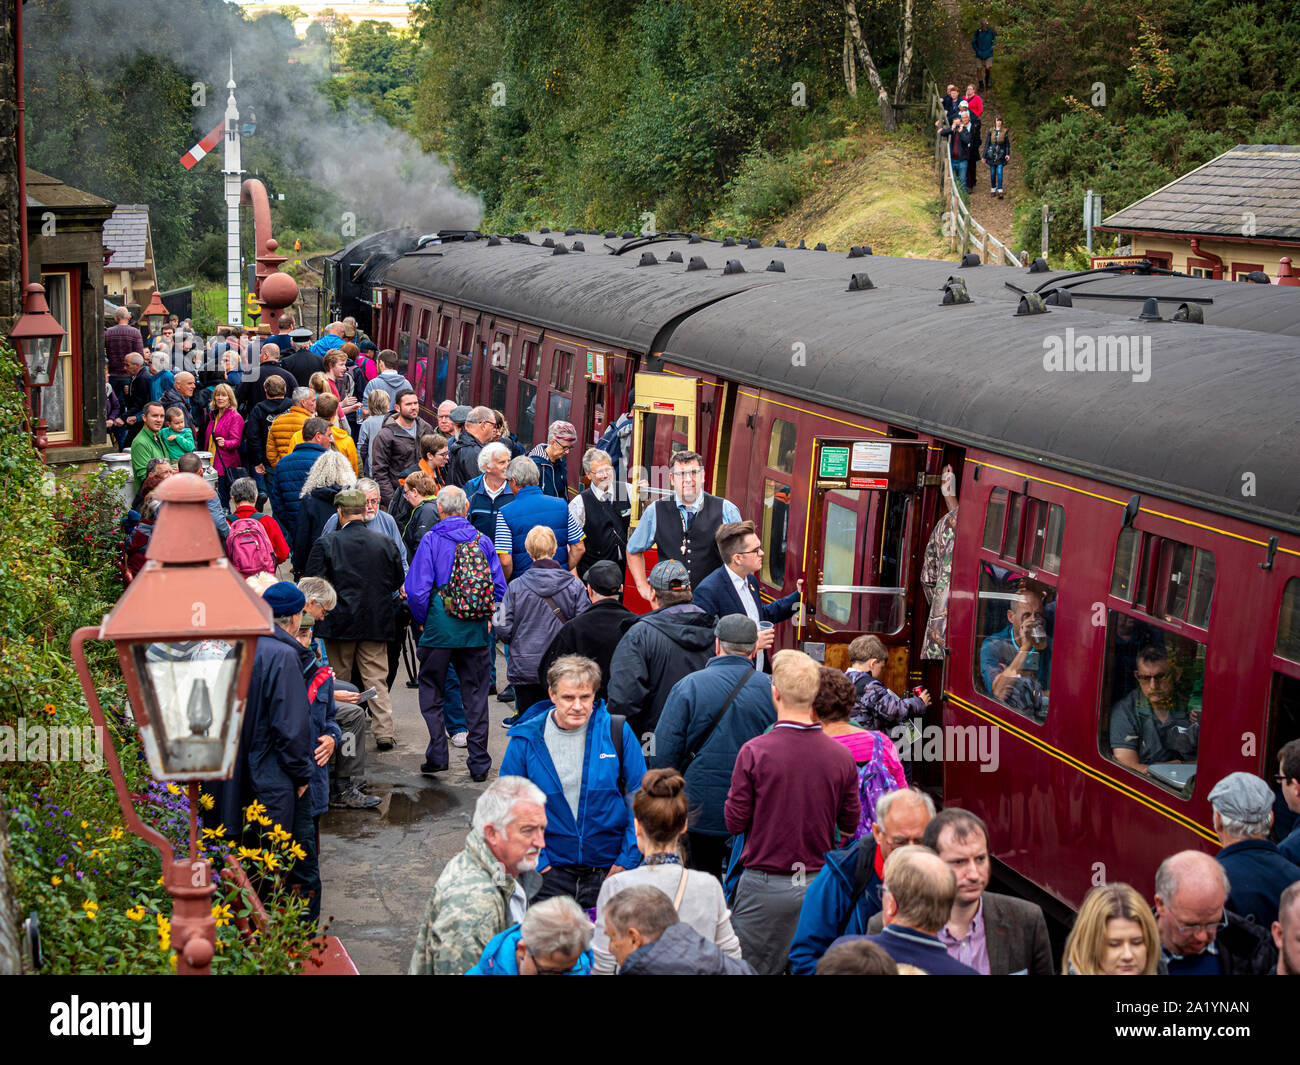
1152 502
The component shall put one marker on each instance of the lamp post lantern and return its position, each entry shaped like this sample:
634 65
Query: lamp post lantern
155 314
38 336
186 631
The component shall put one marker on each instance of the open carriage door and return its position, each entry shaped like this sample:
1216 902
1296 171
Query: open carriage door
863 532
663 421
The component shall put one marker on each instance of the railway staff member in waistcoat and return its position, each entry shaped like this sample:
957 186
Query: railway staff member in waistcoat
732 588
683 527
601 511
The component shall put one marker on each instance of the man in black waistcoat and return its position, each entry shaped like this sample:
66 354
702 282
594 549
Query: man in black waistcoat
683 527
602 510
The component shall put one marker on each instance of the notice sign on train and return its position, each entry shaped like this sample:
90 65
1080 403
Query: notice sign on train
596 366
870 457
834 463
869 482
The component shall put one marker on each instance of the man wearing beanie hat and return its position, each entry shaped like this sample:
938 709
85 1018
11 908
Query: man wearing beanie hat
275 763
552 468
1257 870
366 571
708 717
595 632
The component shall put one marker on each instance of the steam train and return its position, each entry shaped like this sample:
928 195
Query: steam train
1123 445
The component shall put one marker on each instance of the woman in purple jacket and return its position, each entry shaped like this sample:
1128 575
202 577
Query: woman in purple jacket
225 431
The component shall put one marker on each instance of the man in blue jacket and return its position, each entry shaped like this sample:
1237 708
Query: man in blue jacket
567 747
528 508
1243 819
709 716
291 474
732 588
844 895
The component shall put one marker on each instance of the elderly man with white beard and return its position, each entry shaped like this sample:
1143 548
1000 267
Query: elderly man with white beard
484 889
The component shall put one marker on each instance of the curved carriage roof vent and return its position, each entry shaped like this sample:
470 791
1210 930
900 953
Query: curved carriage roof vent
860 283
954 291
802 245
494 242
697 263
776 266
753 242
821 246
648 259
779 244
729 242
571 232
733 267
579 246
560 249
695 238
470 236
674 257
629 235
520 238
1059 297
1190 313
609 233
858 251
544 229
970 259
1259 277
1031 303
1150 310
548 243
1039 266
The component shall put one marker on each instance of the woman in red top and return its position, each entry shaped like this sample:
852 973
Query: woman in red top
225 431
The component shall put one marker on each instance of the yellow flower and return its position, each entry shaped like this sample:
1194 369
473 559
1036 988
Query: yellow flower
164 933
85 824
222 914
207 801
159 880
214 833
280 835
250 854
90 906
115 832
270 860
173 962
254 811
297 852
136 913
56 880
265 822
49 708
173 788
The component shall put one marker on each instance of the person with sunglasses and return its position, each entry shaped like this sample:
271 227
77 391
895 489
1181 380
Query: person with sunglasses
1199 936
1152 724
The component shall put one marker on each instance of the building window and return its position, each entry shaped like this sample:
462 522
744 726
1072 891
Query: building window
1150 721
59 405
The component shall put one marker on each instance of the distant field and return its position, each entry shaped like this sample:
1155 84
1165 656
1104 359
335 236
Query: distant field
394 14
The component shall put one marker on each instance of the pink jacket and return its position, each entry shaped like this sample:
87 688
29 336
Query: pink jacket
230 426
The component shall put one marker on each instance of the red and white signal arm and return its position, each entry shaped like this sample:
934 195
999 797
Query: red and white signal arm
596 367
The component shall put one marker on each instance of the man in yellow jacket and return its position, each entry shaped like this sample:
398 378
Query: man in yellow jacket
279 435
327 406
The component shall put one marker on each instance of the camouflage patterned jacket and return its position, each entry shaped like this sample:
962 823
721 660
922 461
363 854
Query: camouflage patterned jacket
467 908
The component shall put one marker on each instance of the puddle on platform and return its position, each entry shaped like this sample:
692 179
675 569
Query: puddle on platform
402 806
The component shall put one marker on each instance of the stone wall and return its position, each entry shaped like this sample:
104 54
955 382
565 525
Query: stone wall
10 285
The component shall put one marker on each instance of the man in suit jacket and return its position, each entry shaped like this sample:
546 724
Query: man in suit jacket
733 587
996 935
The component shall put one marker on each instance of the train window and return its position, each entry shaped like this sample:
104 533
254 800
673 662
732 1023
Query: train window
851 593
562 370
995 520
405 326
497 390
464 365
525 411
444 331
466 338
424 324
1151 702
1175 580
1126 560
529 364
776 526
558 409
441 360
1288 623
781 446
1024 530
1015 619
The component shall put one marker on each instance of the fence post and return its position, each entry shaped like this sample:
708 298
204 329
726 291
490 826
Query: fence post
1046 218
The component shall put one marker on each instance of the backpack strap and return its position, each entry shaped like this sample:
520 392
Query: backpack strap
563 621
717 720
862 871
616 722
681 890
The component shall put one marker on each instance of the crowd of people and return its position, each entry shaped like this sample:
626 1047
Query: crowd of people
963 123
674 797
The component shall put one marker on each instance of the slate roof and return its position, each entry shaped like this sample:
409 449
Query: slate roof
126 235
46 191
1214 199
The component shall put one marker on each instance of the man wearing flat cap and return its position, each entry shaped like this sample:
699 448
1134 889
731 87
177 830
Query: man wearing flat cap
366 571
301 361
552 469
708 717
595 632
674 639
1257 870
479 430
276 742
